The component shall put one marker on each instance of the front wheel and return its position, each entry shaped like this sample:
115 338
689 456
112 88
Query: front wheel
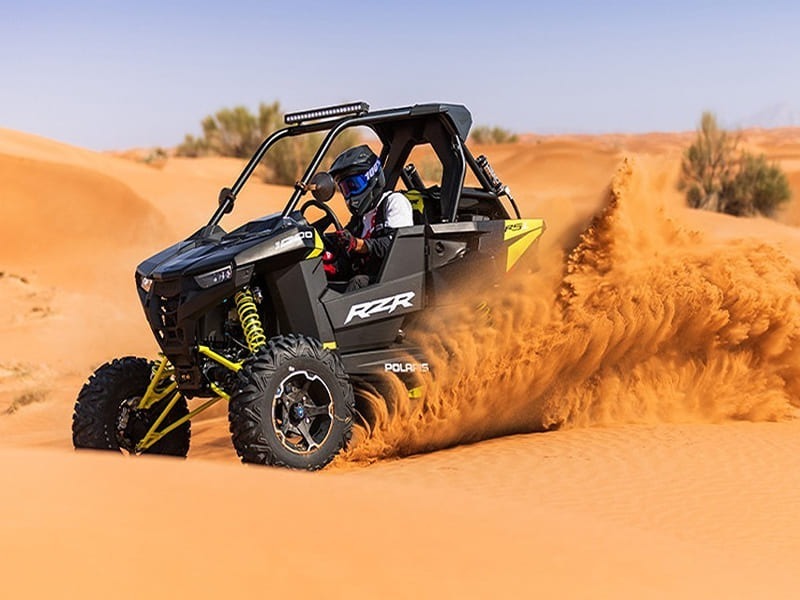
293 407
106 417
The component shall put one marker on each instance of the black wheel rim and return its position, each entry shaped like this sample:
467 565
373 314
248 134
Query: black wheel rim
302 412
131 425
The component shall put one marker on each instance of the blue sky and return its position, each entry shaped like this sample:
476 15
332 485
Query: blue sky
106 75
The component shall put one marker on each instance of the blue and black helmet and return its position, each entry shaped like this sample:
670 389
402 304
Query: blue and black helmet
359 176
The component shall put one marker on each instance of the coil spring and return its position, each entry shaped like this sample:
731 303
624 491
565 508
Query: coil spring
250 320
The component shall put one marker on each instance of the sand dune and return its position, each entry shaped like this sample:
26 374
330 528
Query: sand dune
72 212
603 512
659 342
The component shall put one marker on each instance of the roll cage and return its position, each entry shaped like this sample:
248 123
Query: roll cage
444 126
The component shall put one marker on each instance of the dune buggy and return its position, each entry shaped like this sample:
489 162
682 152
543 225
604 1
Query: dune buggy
249 316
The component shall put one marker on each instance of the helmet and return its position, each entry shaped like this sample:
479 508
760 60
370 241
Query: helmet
359 176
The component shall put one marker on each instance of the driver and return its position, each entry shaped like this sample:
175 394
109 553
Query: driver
376 215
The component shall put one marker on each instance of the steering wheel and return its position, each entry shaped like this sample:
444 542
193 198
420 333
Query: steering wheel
330 217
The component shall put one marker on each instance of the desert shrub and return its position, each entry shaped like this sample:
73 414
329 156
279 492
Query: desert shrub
431 170
192 147
758 187
269 118
286 161
232 132
707 165
236 132
717 175
483 134
156 157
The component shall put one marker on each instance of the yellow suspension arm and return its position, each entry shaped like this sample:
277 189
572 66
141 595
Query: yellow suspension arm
153 435
228 364
153 394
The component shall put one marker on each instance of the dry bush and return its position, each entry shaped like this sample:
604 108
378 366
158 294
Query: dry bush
483 134
717 175
236 132
288 159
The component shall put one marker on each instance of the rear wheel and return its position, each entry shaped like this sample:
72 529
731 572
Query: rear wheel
106 417
294 405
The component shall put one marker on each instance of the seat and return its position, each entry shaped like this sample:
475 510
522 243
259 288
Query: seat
427 204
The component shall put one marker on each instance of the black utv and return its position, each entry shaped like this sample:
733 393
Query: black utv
250 317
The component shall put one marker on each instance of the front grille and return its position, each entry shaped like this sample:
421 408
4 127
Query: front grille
162 304
166 313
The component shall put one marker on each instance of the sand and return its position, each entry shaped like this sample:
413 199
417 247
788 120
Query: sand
665 358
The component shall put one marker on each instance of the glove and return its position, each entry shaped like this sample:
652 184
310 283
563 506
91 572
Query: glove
329 264
346 241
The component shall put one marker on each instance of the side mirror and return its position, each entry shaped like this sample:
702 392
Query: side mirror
322 186
227 199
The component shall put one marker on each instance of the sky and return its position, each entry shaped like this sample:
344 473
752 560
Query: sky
114 75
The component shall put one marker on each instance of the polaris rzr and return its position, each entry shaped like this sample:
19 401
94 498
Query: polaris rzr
250 317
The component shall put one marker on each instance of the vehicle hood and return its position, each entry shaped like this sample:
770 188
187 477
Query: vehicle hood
212 248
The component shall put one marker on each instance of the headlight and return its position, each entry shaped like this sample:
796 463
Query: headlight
212 278
146 283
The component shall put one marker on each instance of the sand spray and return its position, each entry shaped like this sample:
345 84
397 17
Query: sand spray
640 321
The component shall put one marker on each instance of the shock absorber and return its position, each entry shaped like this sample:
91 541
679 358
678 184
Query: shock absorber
250 320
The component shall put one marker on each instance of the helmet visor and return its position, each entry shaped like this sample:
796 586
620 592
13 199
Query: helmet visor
354 184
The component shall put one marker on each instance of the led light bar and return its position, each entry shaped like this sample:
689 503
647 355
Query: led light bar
340 110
